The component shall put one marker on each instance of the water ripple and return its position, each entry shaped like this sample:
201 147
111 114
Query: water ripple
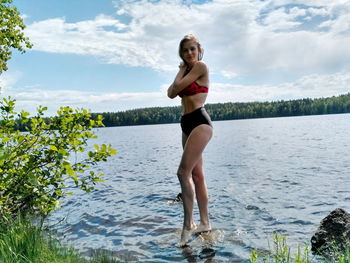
274 175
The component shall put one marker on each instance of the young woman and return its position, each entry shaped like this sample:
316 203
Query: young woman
191 84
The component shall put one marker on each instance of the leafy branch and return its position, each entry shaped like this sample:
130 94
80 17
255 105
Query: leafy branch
36 166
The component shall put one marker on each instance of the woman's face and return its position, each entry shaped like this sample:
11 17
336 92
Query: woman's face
190 52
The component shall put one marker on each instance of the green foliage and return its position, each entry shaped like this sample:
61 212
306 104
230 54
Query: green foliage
11 33
145 116
254 256
344 257
21 242
337 252
280 253
232 111
38 166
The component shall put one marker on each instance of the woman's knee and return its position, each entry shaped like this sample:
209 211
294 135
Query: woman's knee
198 176
183 173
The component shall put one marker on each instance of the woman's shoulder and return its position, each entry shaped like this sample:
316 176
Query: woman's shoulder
200 65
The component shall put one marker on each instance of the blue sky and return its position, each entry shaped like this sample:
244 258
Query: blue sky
108 55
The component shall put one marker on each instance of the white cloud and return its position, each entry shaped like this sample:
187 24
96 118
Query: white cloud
318 11
340 25
296 12
30 98
280 19
239 37
317 3
228 74
311 86
8 80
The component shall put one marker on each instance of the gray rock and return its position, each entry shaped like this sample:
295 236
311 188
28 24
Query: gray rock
333 234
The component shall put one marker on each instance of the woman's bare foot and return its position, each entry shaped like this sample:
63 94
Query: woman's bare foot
202 228
186 235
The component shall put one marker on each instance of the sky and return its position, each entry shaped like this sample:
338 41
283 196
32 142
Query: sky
108 56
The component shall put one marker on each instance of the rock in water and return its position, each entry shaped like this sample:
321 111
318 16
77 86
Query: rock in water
333 234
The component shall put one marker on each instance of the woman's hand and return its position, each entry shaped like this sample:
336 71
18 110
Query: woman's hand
171 93
171 90
182 66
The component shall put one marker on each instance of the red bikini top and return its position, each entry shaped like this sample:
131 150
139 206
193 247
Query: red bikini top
193 89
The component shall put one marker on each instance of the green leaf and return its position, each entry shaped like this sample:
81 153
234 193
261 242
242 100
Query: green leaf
53 148
5 139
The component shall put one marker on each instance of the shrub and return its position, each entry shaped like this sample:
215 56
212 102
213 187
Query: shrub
37 165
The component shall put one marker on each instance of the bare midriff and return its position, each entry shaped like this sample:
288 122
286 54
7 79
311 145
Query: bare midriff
191 103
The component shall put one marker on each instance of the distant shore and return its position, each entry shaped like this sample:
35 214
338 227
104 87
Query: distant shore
227 111
231 111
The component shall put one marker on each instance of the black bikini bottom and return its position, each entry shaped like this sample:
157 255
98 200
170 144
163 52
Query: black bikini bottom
193 119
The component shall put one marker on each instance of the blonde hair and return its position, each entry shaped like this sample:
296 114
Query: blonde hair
190 37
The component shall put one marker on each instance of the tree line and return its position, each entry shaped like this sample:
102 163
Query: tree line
232 111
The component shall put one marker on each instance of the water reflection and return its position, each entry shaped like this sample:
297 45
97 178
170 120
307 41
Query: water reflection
207 254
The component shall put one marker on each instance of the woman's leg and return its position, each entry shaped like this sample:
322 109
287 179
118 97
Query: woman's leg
202 197
201 193
193 149
184 140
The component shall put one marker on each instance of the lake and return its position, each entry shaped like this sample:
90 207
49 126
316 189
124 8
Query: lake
264 175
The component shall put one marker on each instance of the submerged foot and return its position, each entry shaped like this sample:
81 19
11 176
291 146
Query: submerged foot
202 228
186 235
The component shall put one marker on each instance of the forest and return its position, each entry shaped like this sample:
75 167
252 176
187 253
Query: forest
232 111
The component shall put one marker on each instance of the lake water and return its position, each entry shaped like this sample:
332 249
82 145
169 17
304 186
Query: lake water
264 175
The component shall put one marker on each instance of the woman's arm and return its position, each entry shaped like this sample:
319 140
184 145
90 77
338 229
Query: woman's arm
171 90
171 93
181 81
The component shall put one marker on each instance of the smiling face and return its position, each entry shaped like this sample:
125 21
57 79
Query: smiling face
190 52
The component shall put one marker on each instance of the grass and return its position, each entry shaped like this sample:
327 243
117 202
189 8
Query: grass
281 253
21 242
341 256
345 257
